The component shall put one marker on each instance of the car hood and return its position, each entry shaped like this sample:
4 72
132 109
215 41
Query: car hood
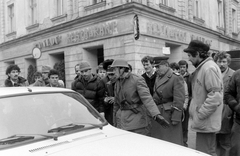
109 141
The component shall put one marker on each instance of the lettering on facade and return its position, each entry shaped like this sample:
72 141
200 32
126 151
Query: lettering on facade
204 40
93 32
49 42
161 30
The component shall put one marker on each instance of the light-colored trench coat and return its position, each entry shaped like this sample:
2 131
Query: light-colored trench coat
207 98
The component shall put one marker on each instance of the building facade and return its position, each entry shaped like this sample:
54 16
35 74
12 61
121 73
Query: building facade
95 30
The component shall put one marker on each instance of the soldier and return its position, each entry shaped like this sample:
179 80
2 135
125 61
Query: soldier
14 80
169 95
207 97
223 137
133 100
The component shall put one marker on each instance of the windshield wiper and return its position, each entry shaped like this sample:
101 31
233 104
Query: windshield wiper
22 137
72 126
15 138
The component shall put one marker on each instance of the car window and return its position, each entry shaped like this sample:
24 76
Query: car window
36 114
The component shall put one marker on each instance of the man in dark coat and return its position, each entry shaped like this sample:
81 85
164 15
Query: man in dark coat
89 86
169 95
133 100
183 71
14 80
223 137
232 98
109 81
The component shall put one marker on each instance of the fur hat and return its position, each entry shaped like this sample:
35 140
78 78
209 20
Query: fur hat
107 65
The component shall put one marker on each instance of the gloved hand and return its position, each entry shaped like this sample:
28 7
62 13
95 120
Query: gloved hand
163 122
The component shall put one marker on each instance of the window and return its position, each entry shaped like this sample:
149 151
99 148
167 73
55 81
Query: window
234 20
197 9
98 1
164 2
220 14
11 18
59 7
33 10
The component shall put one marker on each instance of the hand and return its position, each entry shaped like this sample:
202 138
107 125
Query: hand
174 123
109 100
163 122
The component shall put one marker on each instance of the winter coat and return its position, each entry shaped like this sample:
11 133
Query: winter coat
227 115
207 97
21 82
169 95
232 94
134 90
92 90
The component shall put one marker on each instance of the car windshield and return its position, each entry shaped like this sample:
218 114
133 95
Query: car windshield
39 113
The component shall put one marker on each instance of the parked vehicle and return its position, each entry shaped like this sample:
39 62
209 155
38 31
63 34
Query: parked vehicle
59 122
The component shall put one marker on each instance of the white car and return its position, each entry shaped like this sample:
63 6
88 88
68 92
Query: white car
60 122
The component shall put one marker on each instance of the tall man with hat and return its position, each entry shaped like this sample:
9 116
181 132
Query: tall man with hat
169 95
89 86
133 100
207 97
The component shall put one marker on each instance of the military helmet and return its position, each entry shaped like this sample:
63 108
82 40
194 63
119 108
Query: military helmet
120 63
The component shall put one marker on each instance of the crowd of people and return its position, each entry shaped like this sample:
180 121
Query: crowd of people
160 102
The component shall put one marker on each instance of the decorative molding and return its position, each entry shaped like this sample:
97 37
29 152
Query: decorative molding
33 27
167 8
94 6
235 33
12 34
198 20
59 19
221 30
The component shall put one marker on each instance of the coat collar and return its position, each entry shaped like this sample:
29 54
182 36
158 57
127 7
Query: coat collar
159 81
203 62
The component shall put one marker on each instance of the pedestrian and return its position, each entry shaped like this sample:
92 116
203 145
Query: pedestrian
133 100
53 76
150 74
77 71
207 97
14 80
89 86
183 70
109 82
232 98
169 96
45 71
100 71
38 79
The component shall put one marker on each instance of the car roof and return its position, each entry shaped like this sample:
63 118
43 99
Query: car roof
9 91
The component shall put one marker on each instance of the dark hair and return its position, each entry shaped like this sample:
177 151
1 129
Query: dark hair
183 62
53 72
147 58
222 55
12 67
37 74
174 66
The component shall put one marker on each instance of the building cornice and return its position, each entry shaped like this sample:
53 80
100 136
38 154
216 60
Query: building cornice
112 13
